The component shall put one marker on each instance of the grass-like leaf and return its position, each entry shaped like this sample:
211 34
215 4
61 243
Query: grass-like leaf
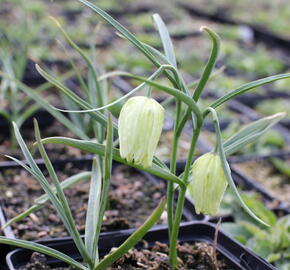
227 170
61 196
250 133
166 40
93 211
248 86
120 28
99 149
42 249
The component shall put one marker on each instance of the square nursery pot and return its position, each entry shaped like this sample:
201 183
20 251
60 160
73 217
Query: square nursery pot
85 164
235 255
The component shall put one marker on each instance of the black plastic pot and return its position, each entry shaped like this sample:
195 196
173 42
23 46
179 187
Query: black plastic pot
236 255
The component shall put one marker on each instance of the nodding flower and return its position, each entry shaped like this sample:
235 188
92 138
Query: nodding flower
208 184
140 126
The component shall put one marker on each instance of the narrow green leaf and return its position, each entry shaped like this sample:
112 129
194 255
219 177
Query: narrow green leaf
129 36
166 40
92 70
42 249
99 149
246 87
118 73
107 172
93 211
161 58
60 194
36 172
205 74
210 64
48 190
227 169
120 28
250 133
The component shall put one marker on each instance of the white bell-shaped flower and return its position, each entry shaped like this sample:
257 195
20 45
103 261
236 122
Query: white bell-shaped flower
140 126
208 184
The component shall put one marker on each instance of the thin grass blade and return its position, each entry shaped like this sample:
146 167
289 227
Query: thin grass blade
99 149
250 133
227 170
166 40
42 249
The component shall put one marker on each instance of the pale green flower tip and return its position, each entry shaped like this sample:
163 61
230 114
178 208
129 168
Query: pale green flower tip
208 184
140 126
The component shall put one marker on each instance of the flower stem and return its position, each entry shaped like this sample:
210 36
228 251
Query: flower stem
180 202
175 228
170 186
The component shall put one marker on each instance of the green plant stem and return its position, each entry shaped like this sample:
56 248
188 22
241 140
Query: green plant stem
205 74
175 228
181 198
170 185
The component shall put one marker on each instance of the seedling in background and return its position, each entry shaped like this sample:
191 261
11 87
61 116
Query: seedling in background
270 243
166 65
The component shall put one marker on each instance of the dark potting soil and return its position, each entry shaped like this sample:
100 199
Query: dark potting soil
132 199
198 256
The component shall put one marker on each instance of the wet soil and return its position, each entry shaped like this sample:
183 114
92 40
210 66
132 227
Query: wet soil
132 199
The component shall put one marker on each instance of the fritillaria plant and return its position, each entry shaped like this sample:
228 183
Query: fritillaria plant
139 129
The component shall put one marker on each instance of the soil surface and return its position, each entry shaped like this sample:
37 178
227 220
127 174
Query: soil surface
132 199
265 173
198 256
